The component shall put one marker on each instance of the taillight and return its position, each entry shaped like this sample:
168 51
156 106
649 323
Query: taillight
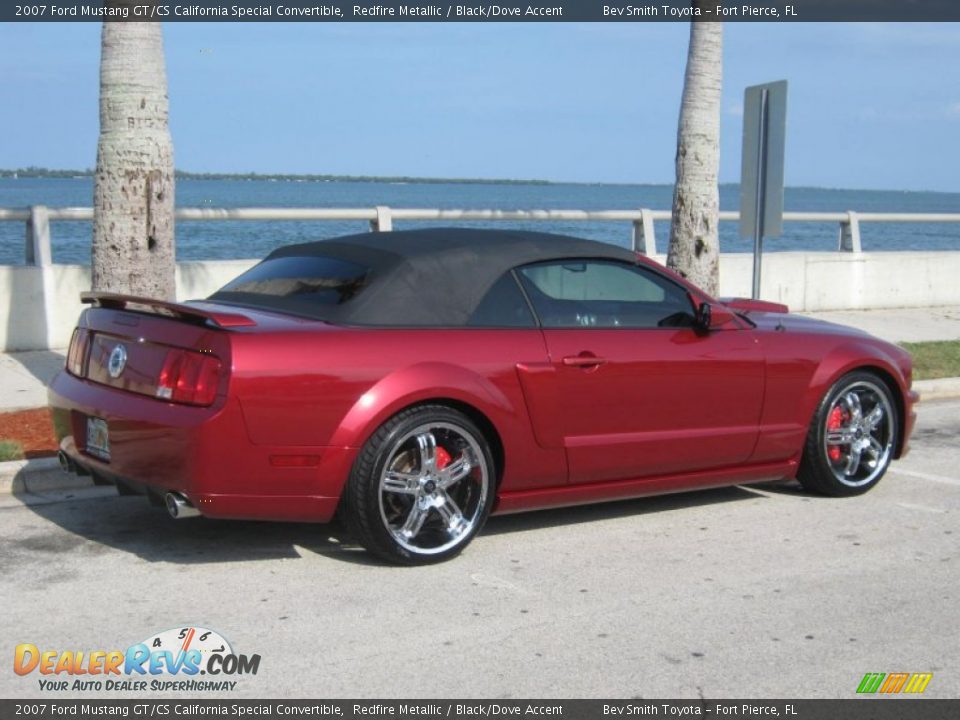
77 354
189 377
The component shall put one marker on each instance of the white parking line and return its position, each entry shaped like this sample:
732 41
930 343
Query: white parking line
924 508
928 476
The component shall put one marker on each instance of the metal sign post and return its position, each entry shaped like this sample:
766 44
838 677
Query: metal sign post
761 168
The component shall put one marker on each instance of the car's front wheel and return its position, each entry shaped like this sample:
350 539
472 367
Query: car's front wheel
422 486
852 437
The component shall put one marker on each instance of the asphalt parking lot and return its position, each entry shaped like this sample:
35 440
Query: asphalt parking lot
741 592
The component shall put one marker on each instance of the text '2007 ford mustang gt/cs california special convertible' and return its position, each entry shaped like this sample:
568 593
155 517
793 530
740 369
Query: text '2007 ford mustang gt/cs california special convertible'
415 382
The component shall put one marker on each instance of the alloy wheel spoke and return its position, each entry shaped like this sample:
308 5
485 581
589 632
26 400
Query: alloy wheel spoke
874 448
874 417
455 472
427 444
401 482
853 404
452 517
853 460
843 436
414 522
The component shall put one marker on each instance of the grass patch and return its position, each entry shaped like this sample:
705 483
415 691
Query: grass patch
10 450
933 360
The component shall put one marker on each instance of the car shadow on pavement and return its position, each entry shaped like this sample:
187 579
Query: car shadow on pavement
791 488
611 510
132 525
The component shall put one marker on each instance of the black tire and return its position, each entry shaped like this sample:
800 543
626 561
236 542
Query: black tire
850 443
409 510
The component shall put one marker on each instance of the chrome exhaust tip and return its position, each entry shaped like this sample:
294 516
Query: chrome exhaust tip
179 507
66 464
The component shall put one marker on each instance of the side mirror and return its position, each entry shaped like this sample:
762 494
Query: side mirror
709 317
704 316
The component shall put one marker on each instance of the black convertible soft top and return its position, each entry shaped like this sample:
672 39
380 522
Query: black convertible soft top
417 278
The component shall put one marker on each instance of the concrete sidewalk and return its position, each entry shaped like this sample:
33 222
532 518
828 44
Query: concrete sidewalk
900 324
24 375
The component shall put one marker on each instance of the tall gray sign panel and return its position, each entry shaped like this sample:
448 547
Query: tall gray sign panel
761 168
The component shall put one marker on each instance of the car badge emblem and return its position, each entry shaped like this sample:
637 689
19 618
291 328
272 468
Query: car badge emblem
117 362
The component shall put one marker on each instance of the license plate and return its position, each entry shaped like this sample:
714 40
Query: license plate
98 439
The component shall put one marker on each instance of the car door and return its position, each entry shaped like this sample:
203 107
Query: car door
637 390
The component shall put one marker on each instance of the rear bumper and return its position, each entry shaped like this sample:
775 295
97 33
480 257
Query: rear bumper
203 453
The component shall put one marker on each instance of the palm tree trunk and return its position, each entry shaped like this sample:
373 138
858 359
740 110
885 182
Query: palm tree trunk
133 241
694 240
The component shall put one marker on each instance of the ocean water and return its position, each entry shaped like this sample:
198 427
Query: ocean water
245 239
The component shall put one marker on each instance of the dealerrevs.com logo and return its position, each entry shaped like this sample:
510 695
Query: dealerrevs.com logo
172 660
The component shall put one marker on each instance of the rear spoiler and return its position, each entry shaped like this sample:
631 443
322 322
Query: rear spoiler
748 305
115 301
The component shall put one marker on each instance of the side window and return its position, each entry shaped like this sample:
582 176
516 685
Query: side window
602 293
503 306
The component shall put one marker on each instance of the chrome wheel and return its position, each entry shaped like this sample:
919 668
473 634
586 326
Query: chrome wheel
433 488
859 433
852 437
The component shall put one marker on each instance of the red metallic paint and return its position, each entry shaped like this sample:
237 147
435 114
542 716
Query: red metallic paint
657 405
660 411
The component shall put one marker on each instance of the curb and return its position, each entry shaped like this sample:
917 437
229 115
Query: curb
939 389
44 474
37 476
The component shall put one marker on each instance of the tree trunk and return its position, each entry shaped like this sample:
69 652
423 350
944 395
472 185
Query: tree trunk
694 240
133 242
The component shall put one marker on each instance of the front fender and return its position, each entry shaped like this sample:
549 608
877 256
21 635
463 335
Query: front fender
854 355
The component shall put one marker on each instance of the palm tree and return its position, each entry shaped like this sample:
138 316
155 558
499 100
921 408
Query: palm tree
694 241
133 242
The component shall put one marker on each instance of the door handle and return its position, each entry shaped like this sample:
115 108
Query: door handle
584 360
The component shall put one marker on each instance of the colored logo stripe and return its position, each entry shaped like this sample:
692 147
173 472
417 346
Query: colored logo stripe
894 683
918 682
870 683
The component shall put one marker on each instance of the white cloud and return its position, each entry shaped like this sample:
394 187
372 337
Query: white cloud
953 109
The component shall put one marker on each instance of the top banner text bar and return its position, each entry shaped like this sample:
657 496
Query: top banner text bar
500 11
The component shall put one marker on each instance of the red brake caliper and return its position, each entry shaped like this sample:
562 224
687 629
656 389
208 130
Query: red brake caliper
443 458
834 421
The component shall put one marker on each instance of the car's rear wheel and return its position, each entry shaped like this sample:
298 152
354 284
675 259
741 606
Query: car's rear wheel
422 486
852 437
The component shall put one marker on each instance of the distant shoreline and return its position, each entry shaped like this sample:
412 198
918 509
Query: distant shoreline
36 172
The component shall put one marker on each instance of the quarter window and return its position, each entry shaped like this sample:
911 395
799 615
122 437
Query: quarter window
597 293
503 306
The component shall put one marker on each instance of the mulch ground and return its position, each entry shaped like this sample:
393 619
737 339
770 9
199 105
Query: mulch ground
32 429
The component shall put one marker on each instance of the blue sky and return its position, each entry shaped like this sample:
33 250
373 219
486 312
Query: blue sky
870 105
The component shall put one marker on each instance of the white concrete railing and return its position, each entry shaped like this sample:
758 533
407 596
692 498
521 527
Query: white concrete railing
39 217
39 304
39 301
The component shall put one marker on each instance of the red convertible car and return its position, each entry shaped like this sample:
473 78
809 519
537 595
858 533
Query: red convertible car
412 383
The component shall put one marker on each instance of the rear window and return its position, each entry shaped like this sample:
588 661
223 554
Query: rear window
298 281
